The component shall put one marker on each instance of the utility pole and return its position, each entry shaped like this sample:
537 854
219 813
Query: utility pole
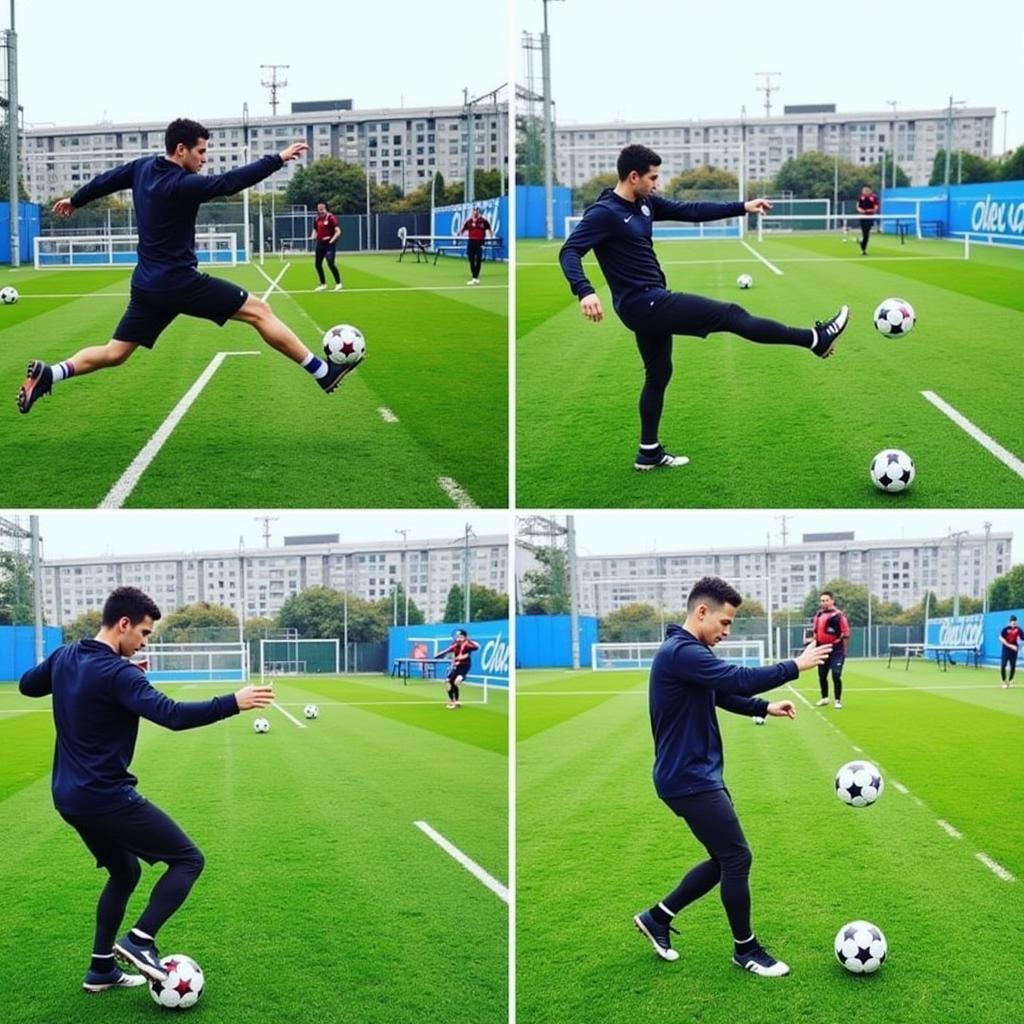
574 618
785 534
956 538
1004 113
768 88
895 126
549 129
949 133
266 521
465 575
12 141
405 571
270 81
984 593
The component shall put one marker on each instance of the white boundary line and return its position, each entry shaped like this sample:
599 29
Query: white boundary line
946 827
771 266
798 694
900 788
455 492
289 715
1007 458
997 869
118 494
273 284
470 865
387 415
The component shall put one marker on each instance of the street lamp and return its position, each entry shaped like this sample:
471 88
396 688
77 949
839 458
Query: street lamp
405 571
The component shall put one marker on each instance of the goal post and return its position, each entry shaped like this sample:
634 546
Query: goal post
195 662
842 225
606 657
292 656
76 251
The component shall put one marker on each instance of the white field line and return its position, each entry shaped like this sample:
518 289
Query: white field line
786 259
274 283
579 693
118 494
387 415
997 869
295 291
915 689
1007 458
803 698
459 497
858 750
289 715
371 703
946 827
470 865
900 788
771 266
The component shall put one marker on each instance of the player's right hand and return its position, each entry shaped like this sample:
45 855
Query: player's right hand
590 307
63 208
293 151
249 697
813 654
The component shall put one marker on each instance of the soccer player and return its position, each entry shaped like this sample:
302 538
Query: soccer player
687 683
618 228
98 699
1009 641
167 192
460 650
326 231
831 627
867 204
477 228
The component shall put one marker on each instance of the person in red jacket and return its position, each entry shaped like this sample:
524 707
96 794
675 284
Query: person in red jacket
460 650
326 232
477 228
831 627
867 206
1009 644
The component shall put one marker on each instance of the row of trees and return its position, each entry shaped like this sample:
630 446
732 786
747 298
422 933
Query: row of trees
318 612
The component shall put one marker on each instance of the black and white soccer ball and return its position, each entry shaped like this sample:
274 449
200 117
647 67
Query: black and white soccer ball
311 711
859 784
9 296
744 281
894 317
345 345
183 985
261 725
892 470
861 947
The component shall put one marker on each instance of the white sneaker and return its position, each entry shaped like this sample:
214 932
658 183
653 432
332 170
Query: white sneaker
338 287
449 705
821 703
1006 686
760 961
839 705
472 280
320 288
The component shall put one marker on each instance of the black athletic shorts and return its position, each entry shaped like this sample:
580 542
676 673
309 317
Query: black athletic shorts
462 670
141 829
149 313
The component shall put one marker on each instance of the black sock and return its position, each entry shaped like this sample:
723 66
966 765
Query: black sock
455 693
746 945
660 915
103 963
142 940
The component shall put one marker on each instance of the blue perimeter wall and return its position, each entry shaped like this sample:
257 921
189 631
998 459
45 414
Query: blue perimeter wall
530 210
18 648
543 641
973 630
988 208
448 220
491 660
28 228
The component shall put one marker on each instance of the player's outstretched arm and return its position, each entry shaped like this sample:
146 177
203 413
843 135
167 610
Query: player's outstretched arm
209 186
115 180
757 205
782 709
813 655
250 697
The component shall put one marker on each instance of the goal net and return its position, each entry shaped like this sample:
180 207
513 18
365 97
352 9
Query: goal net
666 230
294 657
195 662
68 251
838 225
606 657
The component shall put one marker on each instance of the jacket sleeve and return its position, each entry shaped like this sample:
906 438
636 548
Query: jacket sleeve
671 209
591 231
844 627
37 681
749 706
135 692
105 184
202 187
696 664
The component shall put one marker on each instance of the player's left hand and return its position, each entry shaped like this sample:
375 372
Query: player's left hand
782 709
293 151
63 208
757 205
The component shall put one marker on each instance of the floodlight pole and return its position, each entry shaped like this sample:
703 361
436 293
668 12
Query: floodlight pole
12 140
984 593
574 611
37 570
549 131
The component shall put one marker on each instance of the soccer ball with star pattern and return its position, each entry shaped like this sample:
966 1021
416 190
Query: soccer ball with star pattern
861 947
859 784
182 987
344 345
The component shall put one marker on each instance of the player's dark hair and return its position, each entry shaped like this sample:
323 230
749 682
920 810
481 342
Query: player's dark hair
1013 618
131 603
461 632
714 591
187 132
827 593
636 158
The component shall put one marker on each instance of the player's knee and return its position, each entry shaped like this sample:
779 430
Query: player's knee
257 310
126 872
193 862
117 352
737 862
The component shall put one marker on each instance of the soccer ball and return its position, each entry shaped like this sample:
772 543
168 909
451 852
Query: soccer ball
744 281
183 986
758 720
312 711
345 345
859 784
861 947
261 725
892 470
8 295
894 316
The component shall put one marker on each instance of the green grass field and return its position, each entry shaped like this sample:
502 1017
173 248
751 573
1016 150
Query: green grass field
261 434
321 900
595 846
769 426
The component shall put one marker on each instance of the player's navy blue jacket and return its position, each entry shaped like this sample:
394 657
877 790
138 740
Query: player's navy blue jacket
619 232
98 699
167 200
687 683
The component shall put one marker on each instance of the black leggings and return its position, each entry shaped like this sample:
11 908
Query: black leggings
322 252
117 841
475 252
680 313
833 662
1007 657
712 819
865 230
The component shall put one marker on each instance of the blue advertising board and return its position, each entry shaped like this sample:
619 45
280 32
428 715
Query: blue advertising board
991 209
544 641
491 661
18 648
530 220
448 221
973 631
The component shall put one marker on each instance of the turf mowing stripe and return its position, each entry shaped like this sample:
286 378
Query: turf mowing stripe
996 869
1007 458
273 284
771 266
387 415
470 865
289 715
455 492
946 827
119 493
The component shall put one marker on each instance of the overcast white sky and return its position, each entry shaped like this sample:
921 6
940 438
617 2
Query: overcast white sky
124 60
75 534
612 61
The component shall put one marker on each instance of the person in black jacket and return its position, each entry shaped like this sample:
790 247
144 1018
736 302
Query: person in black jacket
687 683
167 193
618 227
98 699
